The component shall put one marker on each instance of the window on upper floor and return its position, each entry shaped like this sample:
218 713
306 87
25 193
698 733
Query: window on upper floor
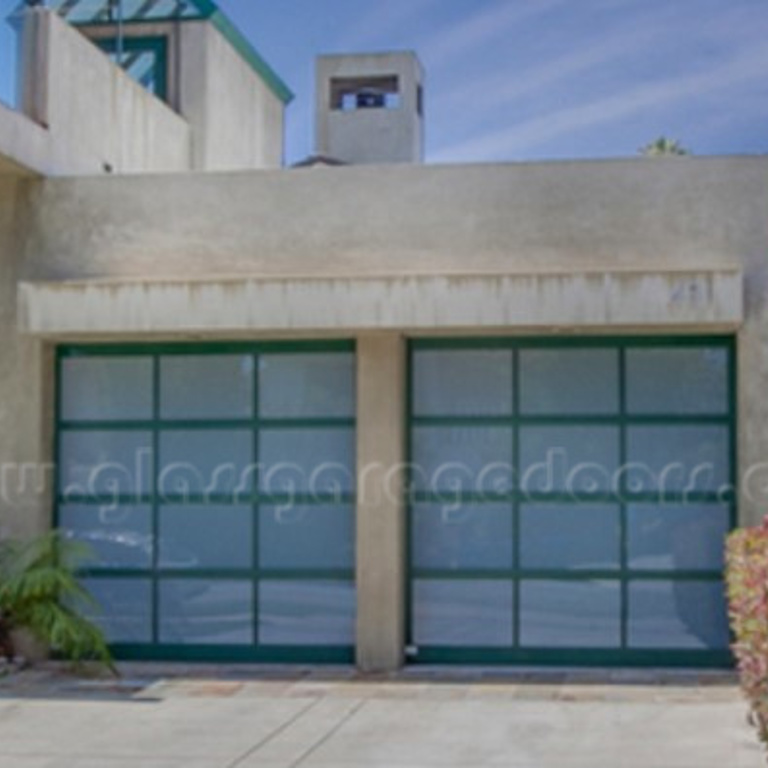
145 59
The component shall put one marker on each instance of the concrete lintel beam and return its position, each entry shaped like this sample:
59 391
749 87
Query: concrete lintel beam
711 299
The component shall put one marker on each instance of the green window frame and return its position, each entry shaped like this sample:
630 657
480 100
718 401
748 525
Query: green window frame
625 575
155 80
257 575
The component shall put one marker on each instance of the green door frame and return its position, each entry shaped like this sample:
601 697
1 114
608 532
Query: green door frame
219 653
517 654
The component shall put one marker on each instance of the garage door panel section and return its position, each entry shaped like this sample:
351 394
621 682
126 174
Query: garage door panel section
215 487
569 500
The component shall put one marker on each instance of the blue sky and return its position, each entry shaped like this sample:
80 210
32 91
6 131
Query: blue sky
533 79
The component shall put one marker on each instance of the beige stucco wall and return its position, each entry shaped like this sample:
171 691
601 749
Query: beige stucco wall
407 220
370 135
95 117
24 390
365 222
639 223
237 121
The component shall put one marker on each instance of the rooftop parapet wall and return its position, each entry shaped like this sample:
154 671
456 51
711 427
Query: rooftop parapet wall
82 115
651 215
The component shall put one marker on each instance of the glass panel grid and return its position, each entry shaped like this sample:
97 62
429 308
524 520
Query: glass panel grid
623 494
165 568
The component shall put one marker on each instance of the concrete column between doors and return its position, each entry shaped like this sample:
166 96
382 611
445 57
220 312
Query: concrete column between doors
381 555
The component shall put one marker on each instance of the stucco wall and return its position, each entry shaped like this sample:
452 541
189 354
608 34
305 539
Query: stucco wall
24 407
635 215
236 119
407 220
370 135
96 119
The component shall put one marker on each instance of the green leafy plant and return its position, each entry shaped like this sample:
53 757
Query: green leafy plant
40 595
747 579
664 147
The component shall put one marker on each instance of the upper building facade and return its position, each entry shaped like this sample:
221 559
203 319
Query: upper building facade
369 409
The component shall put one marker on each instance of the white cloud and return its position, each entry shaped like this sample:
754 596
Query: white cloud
748 65
635 35
445 45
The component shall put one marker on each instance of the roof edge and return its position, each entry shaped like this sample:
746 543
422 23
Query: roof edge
245 48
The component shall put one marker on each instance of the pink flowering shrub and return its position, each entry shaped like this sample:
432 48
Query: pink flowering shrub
747 579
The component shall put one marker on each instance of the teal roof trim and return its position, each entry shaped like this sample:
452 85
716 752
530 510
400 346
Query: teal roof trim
91 13
243 46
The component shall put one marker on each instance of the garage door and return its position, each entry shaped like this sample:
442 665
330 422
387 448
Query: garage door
215 488
569 500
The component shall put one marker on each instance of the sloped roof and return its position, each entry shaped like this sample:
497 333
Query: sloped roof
99 12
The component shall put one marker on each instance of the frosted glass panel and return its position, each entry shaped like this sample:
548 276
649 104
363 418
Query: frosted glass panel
197 462
569 381
307 385
200 612
678 458
105 463
452 382
462 613
572 459
675 536
570 536
106 388
678 614
693 380
462 458
125 608
569 614
119 537
306 613
206 537
307 460
311 536
450 536
206 386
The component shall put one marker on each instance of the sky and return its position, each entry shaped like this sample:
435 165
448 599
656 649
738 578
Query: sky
540 79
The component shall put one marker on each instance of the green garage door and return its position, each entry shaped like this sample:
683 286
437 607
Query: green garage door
215 487
569 500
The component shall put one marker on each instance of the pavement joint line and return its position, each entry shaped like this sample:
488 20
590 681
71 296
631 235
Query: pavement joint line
280 729
332 732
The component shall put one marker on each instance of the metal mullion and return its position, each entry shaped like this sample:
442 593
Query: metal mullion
218 574
308 499
497 422
733 408
150 349
674 575
155 502
307 574
531 574
462 496
623 521
107 426
204 425
464 574
105 500
105 572
675 419
491 497
409 498
516 527
256 505
341 422
203 499
57 469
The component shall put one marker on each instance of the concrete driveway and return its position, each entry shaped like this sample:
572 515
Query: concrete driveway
268 718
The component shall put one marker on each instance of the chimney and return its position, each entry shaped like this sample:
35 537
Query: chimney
370 108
